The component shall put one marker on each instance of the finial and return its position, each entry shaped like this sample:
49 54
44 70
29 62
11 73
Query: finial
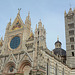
57 38
10 19
19 10
65 11
40 20
1 38
39 24
28 14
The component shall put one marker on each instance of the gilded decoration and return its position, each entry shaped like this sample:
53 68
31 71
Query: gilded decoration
17 25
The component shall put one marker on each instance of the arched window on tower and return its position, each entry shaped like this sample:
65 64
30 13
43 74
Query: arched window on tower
72 47
71 32
72 39
71 25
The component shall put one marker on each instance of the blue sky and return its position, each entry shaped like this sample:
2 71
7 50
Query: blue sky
51 13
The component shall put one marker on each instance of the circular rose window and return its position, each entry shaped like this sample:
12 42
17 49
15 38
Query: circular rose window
15 42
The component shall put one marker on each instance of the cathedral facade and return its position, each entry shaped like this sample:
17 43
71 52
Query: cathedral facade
23 52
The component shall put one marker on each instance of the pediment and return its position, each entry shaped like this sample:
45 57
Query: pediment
17 24
25 56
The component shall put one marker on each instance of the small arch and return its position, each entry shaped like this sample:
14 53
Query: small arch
9 67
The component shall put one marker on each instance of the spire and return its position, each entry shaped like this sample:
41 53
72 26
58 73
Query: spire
29 15
10 19
70 11
8 25
65 13
31 33
1 41
28 20
1 38
36 26
39 24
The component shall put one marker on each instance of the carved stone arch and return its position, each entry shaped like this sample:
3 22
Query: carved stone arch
23 64
9 68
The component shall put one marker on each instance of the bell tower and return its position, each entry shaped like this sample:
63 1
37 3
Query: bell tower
70 37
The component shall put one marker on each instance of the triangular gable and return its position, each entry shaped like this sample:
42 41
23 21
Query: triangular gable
11 58
25 56
18 23
26 53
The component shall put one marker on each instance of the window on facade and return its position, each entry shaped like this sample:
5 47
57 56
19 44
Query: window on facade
71 25
72 47
71 32
72 39
72 53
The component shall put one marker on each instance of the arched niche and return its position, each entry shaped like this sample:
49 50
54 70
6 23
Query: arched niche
9 68
25 67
